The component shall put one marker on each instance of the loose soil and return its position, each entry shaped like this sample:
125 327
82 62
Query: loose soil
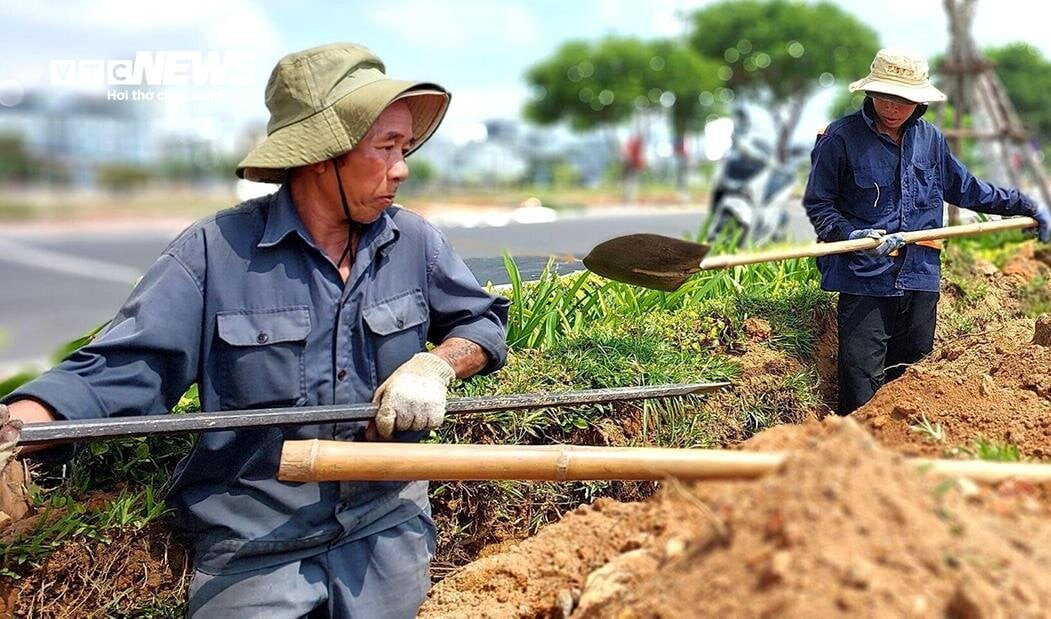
994 386
123 575
844 527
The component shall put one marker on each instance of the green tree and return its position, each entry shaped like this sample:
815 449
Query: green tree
605 84
15 161
778 52
592 85
689 86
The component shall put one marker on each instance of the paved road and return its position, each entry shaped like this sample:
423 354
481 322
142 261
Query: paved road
57 284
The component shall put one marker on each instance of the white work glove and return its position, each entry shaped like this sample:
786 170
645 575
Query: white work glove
413 397
9 431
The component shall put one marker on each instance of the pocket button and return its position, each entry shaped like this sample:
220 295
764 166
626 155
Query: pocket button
262 338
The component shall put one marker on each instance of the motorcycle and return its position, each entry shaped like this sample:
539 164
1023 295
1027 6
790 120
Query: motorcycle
752 191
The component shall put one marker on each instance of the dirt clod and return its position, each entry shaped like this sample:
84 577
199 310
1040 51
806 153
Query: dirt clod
757 329
1042 332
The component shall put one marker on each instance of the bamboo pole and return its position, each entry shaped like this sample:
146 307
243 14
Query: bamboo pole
316 460
840 247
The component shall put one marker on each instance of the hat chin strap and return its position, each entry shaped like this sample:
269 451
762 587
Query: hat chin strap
353 227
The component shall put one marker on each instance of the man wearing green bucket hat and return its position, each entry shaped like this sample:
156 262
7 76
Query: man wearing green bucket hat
321 293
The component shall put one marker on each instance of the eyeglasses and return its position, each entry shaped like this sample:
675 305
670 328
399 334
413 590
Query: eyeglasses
885 98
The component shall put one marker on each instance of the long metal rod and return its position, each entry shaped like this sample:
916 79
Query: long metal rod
96 429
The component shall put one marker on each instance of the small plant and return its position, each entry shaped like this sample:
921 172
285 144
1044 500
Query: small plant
930 431
993 450
1036 297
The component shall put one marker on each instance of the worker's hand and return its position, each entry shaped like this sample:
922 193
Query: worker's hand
888 242
9 431
413 397
1043 219
866 233
888 245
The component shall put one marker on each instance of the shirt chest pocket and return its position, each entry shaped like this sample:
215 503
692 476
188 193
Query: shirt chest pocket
872 191
397 330
928 185
261 352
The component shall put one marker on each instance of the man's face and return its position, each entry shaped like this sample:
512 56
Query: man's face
374 169
892 111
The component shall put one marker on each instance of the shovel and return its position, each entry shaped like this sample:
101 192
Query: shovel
664 263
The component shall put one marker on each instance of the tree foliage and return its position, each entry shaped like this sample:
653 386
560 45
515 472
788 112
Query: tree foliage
778 52
590 85
609 82
15 161
693 83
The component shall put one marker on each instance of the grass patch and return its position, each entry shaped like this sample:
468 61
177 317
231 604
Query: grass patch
566 333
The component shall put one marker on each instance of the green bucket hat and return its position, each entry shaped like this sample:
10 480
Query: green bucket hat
323 100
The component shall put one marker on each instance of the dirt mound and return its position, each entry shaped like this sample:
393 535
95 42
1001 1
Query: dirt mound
844 527
994 386
1028 263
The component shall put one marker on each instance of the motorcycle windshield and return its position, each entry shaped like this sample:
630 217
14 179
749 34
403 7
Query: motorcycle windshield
743 167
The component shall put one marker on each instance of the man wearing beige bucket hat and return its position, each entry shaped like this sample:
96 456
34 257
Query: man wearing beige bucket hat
321 293
878 172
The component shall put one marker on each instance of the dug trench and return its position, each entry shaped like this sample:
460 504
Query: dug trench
844 527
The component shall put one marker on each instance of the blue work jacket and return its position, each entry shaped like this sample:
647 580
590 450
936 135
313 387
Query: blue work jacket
862 179
247 306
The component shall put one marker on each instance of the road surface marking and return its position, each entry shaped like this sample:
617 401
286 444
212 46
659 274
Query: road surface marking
21 253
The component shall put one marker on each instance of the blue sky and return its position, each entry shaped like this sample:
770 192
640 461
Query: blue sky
478 49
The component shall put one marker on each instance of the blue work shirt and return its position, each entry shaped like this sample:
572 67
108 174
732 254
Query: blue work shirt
862 179
247 306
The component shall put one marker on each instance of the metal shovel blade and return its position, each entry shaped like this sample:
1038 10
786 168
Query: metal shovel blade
648 260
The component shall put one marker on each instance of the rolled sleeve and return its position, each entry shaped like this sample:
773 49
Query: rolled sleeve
67 394
461 308
141 363
823 190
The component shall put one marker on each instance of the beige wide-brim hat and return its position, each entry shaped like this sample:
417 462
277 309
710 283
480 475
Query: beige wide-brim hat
901 74
323 100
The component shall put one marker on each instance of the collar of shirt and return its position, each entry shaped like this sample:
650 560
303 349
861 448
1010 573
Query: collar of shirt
283 219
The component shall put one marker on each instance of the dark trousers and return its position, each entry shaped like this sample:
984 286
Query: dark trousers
878 338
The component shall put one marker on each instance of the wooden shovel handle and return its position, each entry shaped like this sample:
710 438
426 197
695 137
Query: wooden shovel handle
842 247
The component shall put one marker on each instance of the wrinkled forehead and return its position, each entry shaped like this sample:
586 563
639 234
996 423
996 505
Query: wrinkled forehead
396 117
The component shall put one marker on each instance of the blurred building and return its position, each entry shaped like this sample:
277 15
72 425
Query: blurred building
78 134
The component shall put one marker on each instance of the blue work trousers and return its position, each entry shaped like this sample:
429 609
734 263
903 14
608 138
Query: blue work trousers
383 575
